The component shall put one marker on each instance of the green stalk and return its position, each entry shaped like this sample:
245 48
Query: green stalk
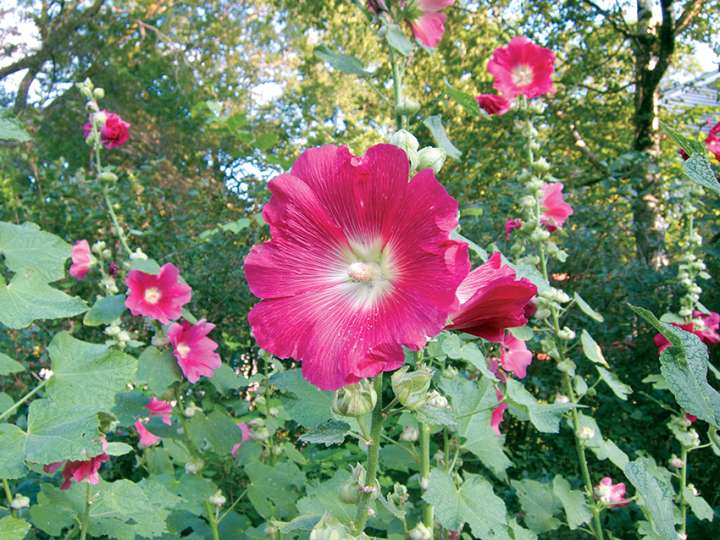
22 400
683 485
425 473
116 224
85 523
397 89
212 520
8 496
369 490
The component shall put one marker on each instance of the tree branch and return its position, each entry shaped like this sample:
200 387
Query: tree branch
612 18
692 10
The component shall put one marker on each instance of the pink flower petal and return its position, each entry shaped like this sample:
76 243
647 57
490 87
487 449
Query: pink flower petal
429 28
522 68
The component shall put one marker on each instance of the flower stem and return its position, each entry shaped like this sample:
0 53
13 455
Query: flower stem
22 400
212 520
8 495
397 89
116 224
369 490
86 514
425 472
683 485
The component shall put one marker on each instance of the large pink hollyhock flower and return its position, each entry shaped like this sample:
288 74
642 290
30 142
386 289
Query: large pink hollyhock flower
712 141
114 133
515 356
81 259
147 438
245 429
158 296
707 326
78 471
522 69
493 104
491 300
194 351
556 209
159 407
662 343
498 412
429 27
360 263
612 495
511 225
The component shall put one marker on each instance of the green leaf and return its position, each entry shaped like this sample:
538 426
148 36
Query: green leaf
342 62
225 379
476 249
105 310
657 496
397 40
56 509
698 505
118 449
474 355
12 528
12 451
217 431
523 333
573 501
329 433
11 129
520 533
307 405
539 504
323 497
158 369
149 266
8 365
274 489
473 503
545 417
27 247
465 100
434 124
691 146
435 416
592 350
619 388
587 310
28 297
602 448
452 345
88 375
698 169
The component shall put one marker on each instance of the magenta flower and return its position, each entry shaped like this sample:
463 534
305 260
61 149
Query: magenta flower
360 263
498 412
114 132
515 356
491 300
147 438
245 429
690 418
712 141
493 104
158 407
429 26
511 225
158 296
556 209
522 69
194 351
612 495
704 325
78 471
82 259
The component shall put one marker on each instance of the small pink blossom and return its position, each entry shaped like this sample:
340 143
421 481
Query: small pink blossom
493 104
712 141
158 296
498 412
429 26
612 495
515 356
245 429
158 407
194 351
78 471
690 418
114 132
556 209
522 68
704 325
147 438
492 299
511 225
82 259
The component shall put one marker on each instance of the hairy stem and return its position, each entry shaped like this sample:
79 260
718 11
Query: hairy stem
22 400
85 523
683 485
8 495
212 520
425 472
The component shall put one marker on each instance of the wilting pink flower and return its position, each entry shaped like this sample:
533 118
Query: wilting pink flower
556 209
376 6
511 225
429 26
712 141
515 356
360 263
522 68
81 259
146 437
80 470
491 300
245 429
159 296
612 495
705 326
493 104
114 132
158 407
498 412
690 418
683 154
113 268
194 351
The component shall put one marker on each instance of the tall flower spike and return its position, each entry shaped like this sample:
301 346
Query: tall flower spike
522 69
360 264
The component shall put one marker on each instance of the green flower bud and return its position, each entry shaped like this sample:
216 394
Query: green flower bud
19 502
108 177
355 399
431 158
98 93
541 165
400 495
420 532
329 528
408 105
405 140
349 493
411 387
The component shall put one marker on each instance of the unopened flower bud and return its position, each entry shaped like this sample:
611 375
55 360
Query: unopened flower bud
98 93
542 313
527 201
355 399
675 462
194 466
424 483
20 502
585 433
562 398
420 532
329 528
431 158
108 177
409 434
99 118
566 334
217 498
159 340
138 255
693 489
349 493
405 140
190 410
408 105
538 235
399 495
541 165
411 387
46 374
437 400
98 247
273 411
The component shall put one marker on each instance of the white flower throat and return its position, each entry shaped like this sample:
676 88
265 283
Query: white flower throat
522 75
152 295
368 272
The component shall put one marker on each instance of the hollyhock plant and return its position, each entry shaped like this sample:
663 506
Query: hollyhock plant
78 471
712 141
515 357
429 25
245 429
556 210
511 225
612 495
114 132
492 299
493 104
82 260
147 438
158 407
360 263
498 413
158 296
194 351
705 326
522 69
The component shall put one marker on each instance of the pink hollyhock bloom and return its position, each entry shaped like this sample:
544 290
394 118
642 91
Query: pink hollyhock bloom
511 225
245 429
515 356
522 69
493 104
712 141
194 351
114 133
429 26
158 296
708 325
491 300
81 259
556 209
146 437
80 470
158 407
360 264
498 412
612 495
661 341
